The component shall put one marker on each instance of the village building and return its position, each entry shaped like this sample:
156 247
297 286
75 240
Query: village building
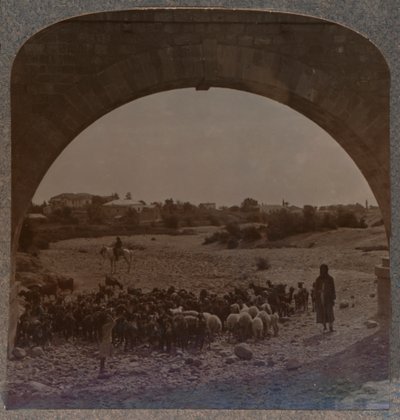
116 210
270 208
71 200
207 206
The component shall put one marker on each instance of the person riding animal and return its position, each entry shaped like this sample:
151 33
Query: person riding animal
118 248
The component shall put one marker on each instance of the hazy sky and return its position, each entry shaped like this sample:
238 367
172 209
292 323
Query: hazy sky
216 146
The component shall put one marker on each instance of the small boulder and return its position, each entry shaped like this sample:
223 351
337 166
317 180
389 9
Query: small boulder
344 305
243 351
19 353
197 362
293 364
259 363
37 352
193 362
369 389
371 324
104 375
39 387
174 368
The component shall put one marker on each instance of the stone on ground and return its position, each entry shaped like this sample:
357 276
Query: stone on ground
243 351
371 324
19 353
37 352
293 364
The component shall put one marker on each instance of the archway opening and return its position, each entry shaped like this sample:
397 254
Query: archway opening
200 194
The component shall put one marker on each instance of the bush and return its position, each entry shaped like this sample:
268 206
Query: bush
347 218
282 223
25 237
378 223
234 230
221 237
171 221
41 243
328 221
232 243
263 263
251 233
214 220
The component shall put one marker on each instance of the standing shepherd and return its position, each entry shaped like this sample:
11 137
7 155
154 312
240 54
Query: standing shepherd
106 346
325 295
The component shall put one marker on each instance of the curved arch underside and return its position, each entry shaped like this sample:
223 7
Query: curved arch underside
70 74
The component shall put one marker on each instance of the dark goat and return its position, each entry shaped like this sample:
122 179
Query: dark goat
111 281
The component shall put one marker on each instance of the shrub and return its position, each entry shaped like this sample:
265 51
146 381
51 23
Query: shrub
214 220
282 223
221 237
251 233
378 223
232 243
347 218
41 243
234 230
171 221
262 263
25 237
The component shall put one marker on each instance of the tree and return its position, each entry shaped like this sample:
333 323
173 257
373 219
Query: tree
249 204
310 217
128 196
34 208
169 206
95 210
132 217
188 207
25 237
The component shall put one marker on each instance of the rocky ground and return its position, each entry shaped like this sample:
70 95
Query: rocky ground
301 368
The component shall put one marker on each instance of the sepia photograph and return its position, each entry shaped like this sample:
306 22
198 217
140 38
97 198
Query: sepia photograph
200 214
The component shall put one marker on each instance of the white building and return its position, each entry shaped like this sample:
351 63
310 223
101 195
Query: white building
72 200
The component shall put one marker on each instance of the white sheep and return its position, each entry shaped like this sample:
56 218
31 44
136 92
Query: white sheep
274 323
235 308
214 327
190 313
266 320
253 311
257 328
232 323
267 308
176 310
245 324
206 315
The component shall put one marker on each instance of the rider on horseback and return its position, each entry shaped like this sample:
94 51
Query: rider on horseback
118 248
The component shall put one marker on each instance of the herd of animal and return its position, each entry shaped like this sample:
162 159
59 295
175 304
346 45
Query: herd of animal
162 318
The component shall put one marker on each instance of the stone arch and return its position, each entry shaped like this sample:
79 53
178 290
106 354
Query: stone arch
315 67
